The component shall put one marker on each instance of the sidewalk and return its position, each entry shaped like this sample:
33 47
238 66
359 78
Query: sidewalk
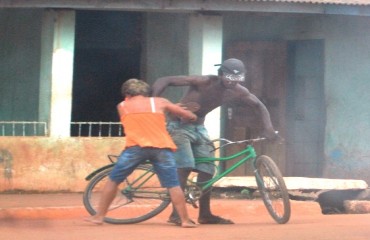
41 206
69 205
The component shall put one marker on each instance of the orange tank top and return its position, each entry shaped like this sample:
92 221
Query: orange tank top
147 129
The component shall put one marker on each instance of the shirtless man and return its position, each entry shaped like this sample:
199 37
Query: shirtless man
204 94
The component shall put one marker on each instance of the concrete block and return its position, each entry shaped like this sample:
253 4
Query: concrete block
297 183
357 207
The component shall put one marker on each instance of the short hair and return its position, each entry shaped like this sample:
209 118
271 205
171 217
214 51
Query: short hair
135 87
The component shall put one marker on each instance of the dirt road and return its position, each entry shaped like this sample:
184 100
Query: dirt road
252 222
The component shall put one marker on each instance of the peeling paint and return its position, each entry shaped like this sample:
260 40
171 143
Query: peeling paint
53 164
6 159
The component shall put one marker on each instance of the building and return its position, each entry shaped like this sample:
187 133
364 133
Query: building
307 60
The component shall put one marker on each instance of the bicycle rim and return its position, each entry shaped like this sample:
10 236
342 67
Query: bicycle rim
273 189
139 197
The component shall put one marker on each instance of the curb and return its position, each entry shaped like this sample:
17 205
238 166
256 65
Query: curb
43 213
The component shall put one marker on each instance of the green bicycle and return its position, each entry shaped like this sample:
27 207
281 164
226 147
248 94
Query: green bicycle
141 197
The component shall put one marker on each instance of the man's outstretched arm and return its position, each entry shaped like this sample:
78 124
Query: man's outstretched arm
162 83
261 110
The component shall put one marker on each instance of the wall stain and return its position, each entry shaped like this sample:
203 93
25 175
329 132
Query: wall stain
6 160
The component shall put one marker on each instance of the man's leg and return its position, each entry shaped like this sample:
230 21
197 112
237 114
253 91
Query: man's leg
205 215
106 199
183 174
205 199
178 201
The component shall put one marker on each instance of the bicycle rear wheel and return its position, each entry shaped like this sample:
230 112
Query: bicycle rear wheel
139 197
273 189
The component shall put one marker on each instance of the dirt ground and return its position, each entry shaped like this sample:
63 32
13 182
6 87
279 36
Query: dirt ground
60 216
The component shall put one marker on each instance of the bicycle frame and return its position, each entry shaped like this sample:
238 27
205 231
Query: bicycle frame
138 183
146 200
250 153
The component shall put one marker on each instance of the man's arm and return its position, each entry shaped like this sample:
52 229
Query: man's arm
162 83
262 112
179 111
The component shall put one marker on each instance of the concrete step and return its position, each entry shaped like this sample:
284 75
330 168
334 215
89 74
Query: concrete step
335 196
297 183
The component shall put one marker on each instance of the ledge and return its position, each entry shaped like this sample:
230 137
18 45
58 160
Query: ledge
297 183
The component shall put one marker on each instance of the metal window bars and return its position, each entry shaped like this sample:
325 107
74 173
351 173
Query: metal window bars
78 129
96 129
23 128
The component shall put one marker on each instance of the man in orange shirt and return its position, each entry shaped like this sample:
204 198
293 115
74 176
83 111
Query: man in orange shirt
146 138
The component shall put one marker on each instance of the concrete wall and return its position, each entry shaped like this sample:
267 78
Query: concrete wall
347 82
37 160
52 164
347 78
166 48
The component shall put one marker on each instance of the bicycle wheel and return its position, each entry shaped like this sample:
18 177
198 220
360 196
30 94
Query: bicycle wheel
139 197
273 189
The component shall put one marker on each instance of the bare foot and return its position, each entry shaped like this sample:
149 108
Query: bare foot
95 220
188 224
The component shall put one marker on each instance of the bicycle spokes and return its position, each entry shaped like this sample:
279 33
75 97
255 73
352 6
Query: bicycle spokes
139 197
119 201
272 188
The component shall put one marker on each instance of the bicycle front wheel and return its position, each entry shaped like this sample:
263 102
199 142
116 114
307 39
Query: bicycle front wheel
273 189
138 198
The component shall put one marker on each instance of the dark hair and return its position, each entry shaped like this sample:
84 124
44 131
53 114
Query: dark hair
135 87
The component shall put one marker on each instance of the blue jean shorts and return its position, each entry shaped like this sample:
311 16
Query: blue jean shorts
192 141
162 159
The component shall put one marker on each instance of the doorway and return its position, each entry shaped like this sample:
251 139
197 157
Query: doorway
265 63
306 108
107 53
288 78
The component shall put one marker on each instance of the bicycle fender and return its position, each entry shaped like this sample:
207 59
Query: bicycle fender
91 175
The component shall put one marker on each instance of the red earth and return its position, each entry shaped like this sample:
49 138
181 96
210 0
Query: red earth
60 216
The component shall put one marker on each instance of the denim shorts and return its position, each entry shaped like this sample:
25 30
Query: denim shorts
192 141
162 159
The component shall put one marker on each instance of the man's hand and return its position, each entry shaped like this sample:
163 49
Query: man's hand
191 106
188 120
273 136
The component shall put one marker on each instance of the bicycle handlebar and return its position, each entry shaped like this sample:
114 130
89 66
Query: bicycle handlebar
240 141
229 142
112 158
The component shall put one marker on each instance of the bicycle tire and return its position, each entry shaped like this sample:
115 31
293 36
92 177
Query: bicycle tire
139 198
273 189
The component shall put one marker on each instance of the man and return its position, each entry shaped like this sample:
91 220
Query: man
146 138
204 94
